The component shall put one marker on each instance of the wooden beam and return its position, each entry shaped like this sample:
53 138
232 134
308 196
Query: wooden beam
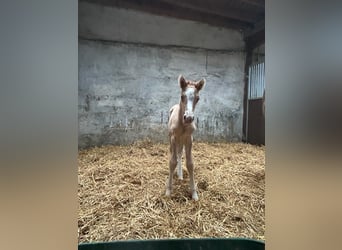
158 7
219 8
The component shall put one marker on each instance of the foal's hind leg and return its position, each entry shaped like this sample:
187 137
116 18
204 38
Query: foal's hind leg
190 167
172 165
179 161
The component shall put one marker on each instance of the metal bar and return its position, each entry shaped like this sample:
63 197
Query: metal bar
263 77
254 77
257 81
252 81
249 82
260 85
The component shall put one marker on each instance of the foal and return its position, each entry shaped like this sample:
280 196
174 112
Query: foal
180 128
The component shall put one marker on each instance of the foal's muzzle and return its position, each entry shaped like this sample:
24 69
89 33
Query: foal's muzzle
188 117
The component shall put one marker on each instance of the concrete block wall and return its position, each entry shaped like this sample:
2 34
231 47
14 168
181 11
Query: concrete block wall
129 63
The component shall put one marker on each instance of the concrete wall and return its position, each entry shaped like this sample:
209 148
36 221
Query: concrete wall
128 76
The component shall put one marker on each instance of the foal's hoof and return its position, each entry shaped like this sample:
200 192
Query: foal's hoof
168 192
195 196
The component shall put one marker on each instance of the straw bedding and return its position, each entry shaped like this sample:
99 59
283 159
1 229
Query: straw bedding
121 193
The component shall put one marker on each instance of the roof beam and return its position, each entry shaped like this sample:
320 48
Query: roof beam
220 8
168 9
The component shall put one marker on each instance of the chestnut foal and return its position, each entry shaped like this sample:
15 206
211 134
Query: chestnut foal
181 127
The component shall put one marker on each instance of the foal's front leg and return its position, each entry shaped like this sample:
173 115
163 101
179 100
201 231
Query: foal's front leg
172 165
190 167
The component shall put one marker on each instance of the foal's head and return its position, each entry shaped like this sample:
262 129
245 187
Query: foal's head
189 97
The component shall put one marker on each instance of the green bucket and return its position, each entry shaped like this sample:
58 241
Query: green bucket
179 244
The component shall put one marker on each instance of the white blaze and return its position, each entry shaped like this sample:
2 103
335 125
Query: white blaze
190 95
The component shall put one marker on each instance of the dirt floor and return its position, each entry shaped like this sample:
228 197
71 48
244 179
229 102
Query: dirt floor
122 193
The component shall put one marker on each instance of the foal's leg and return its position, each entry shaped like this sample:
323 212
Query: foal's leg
172 164
190 167
179 161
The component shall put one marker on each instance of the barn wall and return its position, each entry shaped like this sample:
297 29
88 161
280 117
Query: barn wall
129 63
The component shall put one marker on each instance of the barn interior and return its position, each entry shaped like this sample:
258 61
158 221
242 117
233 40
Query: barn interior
131 53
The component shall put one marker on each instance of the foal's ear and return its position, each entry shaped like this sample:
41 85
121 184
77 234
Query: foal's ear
200 84
182 82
